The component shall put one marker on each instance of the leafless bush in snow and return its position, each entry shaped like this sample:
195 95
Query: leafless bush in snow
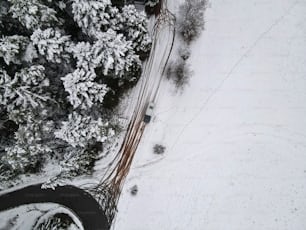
179 72
191 20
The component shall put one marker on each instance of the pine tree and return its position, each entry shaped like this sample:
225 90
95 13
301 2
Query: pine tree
111 52
85 56
116 54
134 26
83 130
29 150
32 14
51 44
83 91
25 90
13 48
91 15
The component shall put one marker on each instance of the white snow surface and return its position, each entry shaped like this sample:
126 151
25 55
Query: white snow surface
236 136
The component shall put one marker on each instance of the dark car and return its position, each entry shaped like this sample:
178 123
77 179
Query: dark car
148 113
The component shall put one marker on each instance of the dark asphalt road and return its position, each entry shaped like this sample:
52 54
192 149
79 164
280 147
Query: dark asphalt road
82 203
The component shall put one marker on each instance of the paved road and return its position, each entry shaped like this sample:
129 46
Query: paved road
79 201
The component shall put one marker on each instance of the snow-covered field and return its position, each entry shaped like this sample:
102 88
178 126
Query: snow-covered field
236 136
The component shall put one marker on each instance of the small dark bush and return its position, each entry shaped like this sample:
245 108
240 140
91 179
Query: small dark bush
134 190
159 149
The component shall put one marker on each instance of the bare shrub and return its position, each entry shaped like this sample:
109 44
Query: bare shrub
159 149
179 72
191 20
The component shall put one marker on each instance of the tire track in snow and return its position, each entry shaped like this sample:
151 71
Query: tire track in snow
232 70
110 186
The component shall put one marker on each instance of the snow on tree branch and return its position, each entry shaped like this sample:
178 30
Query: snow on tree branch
12 48
32 14
134 25
23 89
51 44
83 91
91 15
111 52
29 149
81 130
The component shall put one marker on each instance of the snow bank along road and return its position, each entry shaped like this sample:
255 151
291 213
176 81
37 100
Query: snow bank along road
236 137
85 207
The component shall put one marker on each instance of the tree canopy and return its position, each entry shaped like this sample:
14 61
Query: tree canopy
59 61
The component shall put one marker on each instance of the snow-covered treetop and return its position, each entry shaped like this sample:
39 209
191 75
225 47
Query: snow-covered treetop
91 15
83 90
25 89
51 44
80 130
32 14
111 52
133 25
12 48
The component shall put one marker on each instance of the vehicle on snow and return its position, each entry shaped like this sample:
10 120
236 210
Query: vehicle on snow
149 113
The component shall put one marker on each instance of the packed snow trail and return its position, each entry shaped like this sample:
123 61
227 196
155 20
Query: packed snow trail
236 137
111 185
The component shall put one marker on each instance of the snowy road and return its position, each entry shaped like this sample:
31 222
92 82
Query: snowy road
236 137
163 32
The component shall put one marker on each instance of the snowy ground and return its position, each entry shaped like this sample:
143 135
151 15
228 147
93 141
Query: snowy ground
236 137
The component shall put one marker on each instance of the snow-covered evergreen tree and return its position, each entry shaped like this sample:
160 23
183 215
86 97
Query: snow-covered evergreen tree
21 158
25 90
51 44
29 150
12 48
91 15
82 130
134 25
116 54
32 14
84 54
111 52
83 90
